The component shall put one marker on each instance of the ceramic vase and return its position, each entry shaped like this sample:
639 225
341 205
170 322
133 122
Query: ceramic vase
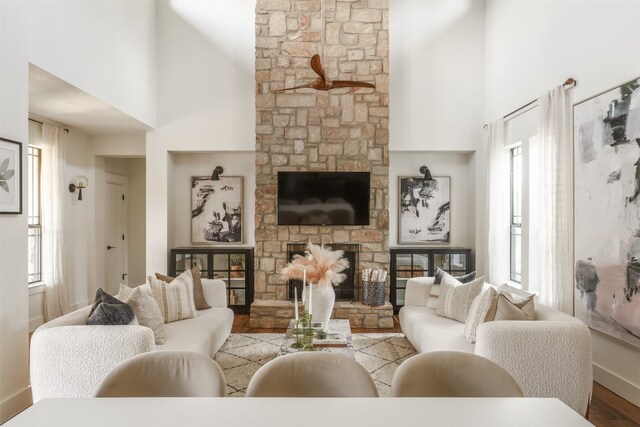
323 299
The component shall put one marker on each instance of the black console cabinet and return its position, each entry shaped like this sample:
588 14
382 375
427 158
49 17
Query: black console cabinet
232 265
419 262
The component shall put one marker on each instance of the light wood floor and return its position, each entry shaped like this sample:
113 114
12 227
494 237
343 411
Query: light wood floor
607 408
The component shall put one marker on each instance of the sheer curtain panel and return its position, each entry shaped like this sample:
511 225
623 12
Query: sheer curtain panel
53 187
497 205
551 203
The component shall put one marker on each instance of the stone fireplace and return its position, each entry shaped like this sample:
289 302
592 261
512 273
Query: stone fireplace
308 130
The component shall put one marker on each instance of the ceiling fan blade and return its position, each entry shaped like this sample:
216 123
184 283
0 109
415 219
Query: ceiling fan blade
316 65
351 83
308 85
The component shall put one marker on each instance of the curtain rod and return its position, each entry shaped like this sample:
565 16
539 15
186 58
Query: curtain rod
569 83
38 121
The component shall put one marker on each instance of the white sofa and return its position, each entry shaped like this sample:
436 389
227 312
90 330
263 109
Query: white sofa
70 358
549 356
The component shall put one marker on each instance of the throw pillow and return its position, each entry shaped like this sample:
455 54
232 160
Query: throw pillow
514 309
505 290
175 299
108 310
456 297
439 274
198 293
146 310
478 312
491 313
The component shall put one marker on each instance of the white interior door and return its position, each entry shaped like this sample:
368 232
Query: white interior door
115 238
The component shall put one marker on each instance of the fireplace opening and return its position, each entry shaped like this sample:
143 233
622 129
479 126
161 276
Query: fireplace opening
347 290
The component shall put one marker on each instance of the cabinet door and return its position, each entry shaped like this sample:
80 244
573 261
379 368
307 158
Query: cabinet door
458 264
237 279
455 263
186 261
408 265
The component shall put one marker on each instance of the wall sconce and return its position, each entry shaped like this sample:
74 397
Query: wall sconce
215 176
427 174
79 182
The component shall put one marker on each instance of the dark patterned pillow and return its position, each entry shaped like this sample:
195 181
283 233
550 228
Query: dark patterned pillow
108 310
439 274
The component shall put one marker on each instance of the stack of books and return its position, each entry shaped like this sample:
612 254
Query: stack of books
331 339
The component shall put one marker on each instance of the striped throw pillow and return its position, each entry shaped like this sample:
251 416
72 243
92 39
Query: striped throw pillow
455 297
478 312
175 299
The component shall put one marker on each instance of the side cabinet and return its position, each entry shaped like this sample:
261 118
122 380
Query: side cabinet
419 262
232 265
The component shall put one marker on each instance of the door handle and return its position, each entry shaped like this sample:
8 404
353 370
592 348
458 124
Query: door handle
110 247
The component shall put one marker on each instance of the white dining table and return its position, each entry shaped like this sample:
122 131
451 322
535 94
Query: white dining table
308 412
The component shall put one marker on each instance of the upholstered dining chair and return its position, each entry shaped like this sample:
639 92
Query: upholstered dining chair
165 373
452 374
318 374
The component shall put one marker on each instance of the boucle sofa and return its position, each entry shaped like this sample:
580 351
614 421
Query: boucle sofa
70 358
548 357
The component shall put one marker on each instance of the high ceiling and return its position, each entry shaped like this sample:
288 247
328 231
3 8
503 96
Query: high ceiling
57 100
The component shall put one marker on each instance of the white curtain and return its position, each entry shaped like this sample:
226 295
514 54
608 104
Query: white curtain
497 205
551 202
52 191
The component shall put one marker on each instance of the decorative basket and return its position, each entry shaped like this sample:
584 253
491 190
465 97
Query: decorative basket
373 293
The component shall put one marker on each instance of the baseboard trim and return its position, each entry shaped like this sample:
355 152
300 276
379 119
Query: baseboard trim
618 385
17 403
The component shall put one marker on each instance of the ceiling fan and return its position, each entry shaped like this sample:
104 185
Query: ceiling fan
324 82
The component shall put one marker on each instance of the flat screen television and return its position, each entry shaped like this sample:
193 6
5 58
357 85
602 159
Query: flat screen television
323 198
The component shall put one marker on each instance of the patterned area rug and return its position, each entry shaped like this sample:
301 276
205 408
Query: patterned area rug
243 354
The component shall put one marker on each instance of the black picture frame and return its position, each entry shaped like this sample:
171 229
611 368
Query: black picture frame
13 150
413 227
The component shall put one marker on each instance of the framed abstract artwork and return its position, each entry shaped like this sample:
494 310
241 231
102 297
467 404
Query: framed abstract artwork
424 210
607 212
216 210
10 177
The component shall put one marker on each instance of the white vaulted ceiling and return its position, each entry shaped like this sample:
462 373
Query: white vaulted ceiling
61 102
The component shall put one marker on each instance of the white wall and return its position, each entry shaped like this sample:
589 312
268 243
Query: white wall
137 220
188 165
206 74
206 101
533 46
105 48
455 165
119 145
79 219
437 74
15 394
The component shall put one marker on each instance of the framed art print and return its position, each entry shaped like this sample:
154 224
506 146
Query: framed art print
10 177
607 212
216 209
424 210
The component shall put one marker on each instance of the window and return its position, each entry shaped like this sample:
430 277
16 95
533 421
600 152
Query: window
34 216
515 269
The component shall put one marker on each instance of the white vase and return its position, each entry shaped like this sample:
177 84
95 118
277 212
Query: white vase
323 299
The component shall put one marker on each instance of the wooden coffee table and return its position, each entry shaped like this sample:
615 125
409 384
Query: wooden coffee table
335 325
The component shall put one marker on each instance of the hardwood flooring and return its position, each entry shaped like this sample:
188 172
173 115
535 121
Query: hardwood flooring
607 408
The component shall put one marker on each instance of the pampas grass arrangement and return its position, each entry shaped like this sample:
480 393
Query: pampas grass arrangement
323 265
